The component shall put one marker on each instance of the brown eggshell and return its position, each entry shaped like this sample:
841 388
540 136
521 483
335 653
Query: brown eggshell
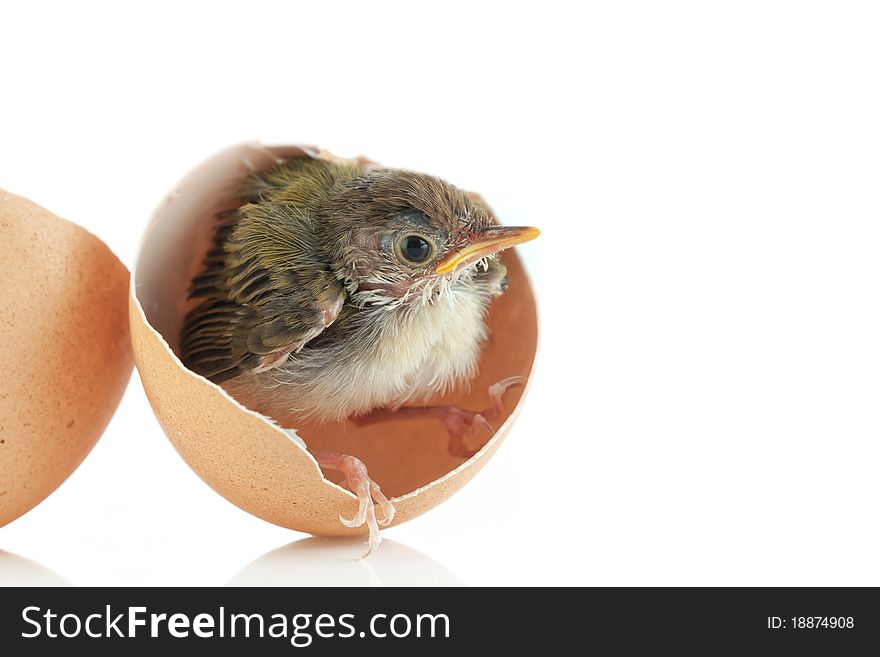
245 456
64 349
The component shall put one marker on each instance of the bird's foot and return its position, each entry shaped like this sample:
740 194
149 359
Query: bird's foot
460 422
368 493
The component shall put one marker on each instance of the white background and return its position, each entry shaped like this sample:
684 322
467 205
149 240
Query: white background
705 405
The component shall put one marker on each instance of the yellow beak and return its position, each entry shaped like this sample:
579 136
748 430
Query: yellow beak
496 238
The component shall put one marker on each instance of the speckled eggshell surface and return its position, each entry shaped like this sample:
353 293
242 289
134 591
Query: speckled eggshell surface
65 352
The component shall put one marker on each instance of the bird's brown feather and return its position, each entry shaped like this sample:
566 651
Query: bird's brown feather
266 289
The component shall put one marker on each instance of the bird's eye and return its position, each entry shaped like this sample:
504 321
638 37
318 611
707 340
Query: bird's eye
415 248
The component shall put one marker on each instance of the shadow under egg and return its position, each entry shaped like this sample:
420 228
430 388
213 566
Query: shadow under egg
320 561
17 571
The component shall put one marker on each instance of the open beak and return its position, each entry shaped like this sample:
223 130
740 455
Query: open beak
495 239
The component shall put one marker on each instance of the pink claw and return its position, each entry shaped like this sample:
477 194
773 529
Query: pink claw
368 493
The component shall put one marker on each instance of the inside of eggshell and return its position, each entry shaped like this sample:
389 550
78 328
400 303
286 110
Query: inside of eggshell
402 454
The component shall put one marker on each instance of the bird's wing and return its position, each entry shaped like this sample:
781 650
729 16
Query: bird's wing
267 292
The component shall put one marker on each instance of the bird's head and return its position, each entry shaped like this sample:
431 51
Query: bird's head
403 237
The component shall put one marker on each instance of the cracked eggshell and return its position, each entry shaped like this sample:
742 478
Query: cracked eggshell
65 353
247 457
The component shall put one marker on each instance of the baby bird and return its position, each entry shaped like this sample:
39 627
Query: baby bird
340 289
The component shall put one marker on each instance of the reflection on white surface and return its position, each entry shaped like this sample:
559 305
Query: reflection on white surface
335 562
18 571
